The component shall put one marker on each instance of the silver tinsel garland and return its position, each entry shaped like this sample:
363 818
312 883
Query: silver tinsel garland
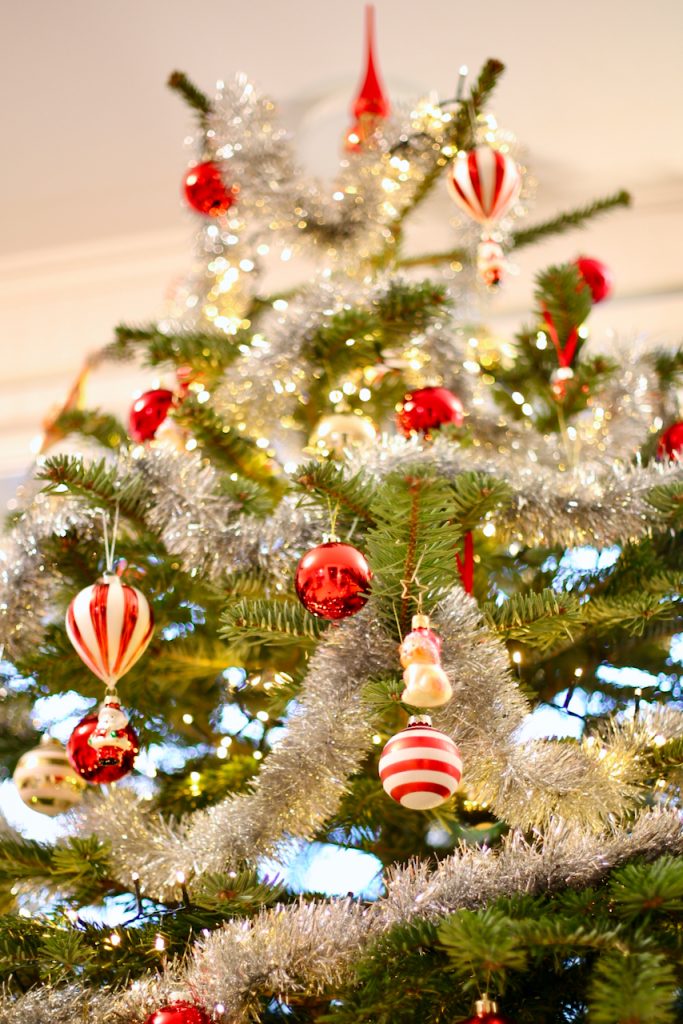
207 532
306 775
309 947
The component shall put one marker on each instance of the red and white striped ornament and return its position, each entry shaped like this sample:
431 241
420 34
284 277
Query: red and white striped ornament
110 625
420 767
484 183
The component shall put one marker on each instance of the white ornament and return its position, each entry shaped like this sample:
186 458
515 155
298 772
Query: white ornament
45 780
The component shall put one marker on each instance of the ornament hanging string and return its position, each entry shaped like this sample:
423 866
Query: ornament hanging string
466 563
109 549
566 353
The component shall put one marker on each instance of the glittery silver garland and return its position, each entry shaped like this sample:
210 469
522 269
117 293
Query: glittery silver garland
586 505
579 506
305 776
180 503
352 218
28 579
309 947
265 384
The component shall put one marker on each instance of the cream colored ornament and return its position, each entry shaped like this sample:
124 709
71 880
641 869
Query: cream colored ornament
45 780
343 430
170 435
427 686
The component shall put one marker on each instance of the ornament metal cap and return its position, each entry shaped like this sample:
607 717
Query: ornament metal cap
419 720
485 1005
420 621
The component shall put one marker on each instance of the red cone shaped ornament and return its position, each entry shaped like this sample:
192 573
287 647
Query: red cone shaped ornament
372 98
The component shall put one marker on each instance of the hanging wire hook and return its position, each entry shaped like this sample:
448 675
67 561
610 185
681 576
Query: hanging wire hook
109 549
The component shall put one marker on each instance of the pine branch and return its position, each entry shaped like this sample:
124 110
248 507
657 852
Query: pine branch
459 136
204 782
562 223
635 989
327 484
97 483
193 96
252 497
107 430
236 895
563 293
570 220
479 943
667 499
208 352
539 620
354 338
476 494
227 447
412 548
77 866
668 365
640 891
463 123
435 259
281 623
632 612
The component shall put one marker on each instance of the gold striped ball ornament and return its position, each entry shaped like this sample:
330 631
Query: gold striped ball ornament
45 780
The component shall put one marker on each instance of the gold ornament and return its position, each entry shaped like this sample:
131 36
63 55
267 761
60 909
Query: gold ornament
343 430
45 780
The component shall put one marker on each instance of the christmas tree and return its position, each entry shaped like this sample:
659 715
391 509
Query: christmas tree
313 596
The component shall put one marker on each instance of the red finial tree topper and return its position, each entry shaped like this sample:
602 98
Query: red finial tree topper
371 98
372 102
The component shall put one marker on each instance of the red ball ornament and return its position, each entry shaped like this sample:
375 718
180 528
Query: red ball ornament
597 276
103 747
205 191
428 409
148 412
333 580
487 1013
179 1012
670 444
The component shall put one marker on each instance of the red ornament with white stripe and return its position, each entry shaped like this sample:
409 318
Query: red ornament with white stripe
110 624
420 767
484 183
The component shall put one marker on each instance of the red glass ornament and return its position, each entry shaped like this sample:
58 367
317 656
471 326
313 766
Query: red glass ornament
597 276
487 1018
148 412
428 409
180 1012
103 764
487 1013
671 442
372 98
205 191
333 580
